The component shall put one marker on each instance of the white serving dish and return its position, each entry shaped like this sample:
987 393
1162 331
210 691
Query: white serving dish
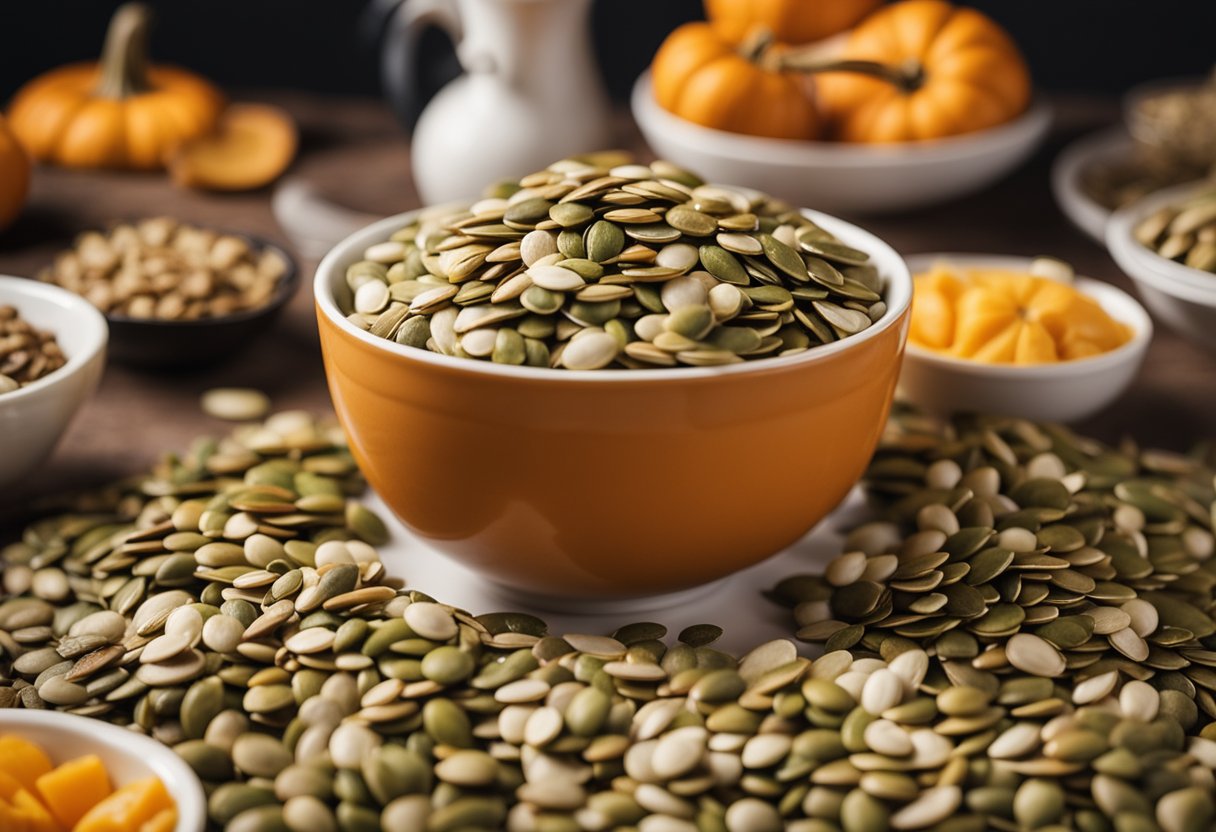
128 756
842 178
1182 297
33 418
1068 169
1064 392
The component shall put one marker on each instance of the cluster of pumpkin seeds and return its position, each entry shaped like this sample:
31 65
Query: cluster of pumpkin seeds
1185 232
1064 593
231 604
601 262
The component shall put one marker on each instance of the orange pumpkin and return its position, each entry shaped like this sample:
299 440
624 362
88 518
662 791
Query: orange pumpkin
1000 317
700 76
790 21
945 70
14 176
118 113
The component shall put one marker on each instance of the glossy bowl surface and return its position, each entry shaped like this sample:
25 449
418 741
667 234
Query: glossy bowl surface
155 343
842 177
1182 297
1064 392
613 483
128 756
33 418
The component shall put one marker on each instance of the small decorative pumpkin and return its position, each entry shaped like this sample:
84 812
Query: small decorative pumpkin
252 145
14 176
790 21
923 69
1001 317
118 113
704 78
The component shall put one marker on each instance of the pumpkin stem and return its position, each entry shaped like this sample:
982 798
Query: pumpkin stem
124 59
907 77
757 44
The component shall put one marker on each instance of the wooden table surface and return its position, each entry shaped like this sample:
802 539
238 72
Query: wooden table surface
355 154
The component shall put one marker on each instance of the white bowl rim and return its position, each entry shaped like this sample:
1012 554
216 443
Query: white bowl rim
1120 240
81 312
1033 122
187 790
1142 325
1068 167
897 294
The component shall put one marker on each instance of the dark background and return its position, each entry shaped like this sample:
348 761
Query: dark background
322 45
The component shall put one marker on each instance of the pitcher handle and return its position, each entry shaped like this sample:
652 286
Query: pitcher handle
405 20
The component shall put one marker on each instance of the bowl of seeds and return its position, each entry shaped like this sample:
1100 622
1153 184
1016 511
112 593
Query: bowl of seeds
177 294
612 380
52 351
1166 243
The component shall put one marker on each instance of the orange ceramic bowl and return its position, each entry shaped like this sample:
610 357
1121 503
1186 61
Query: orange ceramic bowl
612 483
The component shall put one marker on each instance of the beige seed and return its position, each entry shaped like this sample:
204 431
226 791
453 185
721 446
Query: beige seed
845 569
931 808
679 752
351 743
555 278
312 640
163 648
537 245
751 814
1033 655
592 351
473 769
910 666
543 726
1139 701
1019 740
431 621
1144 617
603 647
885 737
1127 642
765 750
371 297
522 691
186 622
235 404
1095 688
882 691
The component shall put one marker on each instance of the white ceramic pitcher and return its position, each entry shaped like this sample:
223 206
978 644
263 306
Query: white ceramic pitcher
530 93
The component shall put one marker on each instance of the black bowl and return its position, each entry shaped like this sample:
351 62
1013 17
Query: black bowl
157 343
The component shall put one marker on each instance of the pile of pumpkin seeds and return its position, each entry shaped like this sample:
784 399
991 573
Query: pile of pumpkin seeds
602 262
1063 591
231 603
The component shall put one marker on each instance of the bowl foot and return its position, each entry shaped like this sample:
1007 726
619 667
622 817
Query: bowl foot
513 598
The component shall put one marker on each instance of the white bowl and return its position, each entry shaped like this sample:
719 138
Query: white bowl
1064 392
1182 297
839 177
33 418
128 756
1069 168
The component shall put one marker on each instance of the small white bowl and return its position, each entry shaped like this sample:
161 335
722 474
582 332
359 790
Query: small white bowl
1065 392
1104 146
128 756
836 177
33 418
1182 297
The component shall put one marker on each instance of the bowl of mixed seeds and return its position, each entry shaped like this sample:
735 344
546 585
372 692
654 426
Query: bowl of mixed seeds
52 351
611 379
177 294
1166 243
